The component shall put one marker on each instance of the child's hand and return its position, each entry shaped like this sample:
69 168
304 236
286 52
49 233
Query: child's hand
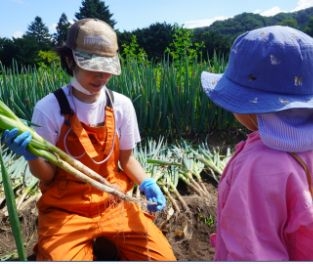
154 195
18 143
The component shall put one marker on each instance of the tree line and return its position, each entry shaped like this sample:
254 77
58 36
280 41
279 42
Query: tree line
154 43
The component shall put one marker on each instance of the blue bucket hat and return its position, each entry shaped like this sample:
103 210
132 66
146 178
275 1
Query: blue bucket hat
270 69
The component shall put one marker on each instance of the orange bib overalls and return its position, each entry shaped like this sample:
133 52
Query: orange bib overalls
72 213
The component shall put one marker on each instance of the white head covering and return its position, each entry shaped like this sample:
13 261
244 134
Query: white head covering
290 130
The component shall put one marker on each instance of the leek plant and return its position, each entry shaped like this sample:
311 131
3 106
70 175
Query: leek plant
167 96
12 211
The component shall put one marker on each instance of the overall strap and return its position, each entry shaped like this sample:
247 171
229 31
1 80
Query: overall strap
306 169
110 97
63 102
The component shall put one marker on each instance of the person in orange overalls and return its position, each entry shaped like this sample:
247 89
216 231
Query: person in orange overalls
99 128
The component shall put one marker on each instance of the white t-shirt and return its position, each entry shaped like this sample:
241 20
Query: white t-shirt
48 120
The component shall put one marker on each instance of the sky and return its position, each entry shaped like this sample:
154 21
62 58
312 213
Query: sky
17 15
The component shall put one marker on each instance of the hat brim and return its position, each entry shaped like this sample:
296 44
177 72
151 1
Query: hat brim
239 99
96 63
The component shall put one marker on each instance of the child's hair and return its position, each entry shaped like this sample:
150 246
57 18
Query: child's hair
67 60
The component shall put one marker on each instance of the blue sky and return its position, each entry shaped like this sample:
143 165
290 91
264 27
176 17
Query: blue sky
17 15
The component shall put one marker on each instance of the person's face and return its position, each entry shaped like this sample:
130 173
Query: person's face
92 81
247 120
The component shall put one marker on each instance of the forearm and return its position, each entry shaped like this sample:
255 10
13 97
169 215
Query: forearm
42 170
131 166
134 170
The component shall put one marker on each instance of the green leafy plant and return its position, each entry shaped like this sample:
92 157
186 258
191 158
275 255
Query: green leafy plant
13 215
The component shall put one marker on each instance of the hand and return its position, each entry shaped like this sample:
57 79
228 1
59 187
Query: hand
154 195
18 143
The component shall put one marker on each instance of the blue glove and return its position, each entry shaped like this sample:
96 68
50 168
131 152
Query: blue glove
154 195
18 143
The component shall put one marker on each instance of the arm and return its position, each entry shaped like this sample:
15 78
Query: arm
19 144
300 243
134 170
42 169
132 167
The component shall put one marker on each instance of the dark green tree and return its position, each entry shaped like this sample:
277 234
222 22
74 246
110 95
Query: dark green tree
291 22
39 32
214 43
27 51
309 28
7 51
61 30
95 9
155 39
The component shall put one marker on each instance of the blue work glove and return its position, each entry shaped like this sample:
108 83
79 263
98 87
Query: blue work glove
18 143
154 195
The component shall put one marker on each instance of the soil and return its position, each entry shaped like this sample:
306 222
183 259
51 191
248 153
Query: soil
187 227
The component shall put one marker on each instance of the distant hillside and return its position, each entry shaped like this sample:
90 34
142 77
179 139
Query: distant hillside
232 27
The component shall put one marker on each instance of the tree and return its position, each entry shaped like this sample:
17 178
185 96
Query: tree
7 51
39 32
27 51
61 30
182 45
309 28
95 9
155 39
291 22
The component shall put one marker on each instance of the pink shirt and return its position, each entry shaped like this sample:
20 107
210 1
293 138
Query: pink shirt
265 209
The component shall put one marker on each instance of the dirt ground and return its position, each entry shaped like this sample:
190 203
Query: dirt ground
188 232
187 229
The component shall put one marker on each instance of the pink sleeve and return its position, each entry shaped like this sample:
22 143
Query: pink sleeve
300 243
299 229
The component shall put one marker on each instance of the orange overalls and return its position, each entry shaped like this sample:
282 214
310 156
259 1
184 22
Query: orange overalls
72 213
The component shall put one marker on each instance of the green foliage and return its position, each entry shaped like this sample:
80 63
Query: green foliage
168 97
309 27
290 22
12 210
21 88
47 58
132 51
61 30
95 9
182 45
209 220
154 39
39 32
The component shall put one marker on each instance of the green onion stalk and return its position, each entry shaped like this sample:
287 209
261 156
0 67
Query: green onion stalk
42 148
13 216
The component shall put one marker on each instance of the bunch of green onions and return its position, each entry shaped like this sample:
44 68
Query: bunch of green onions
42 148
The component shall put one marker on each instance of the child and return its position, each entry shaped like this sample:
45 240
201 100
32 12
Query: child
99 128
265 209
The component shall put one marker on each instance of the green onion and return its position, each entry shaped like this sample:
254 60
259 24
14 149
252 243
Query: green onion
42 148
13 216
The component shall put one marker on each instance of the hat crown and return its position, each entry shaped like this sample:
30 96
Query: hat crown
276 59
92 36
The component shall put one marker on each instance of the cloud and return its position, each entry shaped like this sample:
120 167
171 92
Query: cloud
302 4
271 12
17 34
202 22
